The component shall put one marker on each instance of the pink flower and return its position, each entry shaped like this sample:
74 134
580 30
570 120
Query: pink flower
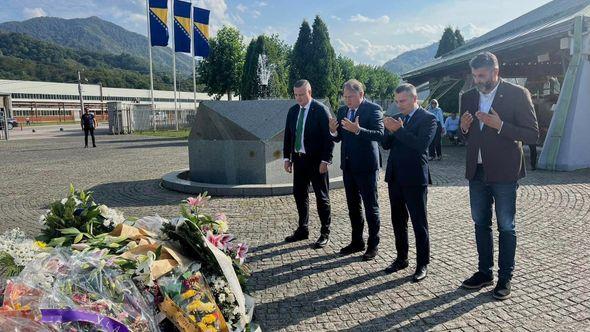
241 250
214 239
220 216
195 202
221 241
225 240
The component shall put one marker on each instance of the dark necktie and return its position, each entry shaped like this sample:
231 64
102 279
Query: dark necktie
352 115
299 130
406 119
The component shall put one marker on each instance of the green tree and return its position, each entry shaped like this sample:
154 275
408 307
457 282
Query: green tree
249 87
300 60
447 43
221 71
459 38
345 68
325 72
277 53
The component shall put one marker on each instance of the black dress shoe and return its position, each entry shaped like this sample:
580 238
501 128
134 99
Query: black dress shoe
420 274
321 242
297 236
477 281
370 254
352 248
397 265
502 290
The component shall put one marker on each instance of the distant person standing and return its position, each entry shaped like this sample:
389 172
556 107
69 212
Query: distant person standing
435 150
452 128
88 123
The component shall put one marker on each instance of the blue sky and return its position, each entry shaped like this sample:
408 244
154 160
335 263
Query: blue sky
367 31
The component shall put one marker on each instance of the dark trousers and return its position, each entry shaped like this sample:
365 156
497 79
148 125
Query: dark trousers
482 195
306 170
363 186
412 199
91 131
435 148
533 148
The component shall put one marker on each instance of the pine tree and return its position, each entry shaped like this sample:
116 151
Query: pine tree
459 38
324 74
300 64
249 88
447 43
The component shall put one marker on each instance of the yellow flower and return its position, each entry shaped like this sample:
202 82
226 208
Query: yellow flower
210 328
202 326
41 244
188 294
209 319
198 305
193 318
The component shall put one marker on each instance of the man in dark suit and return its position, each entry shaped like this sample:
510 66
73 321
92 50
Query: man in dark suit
497 117
307 152
408 137
88 123
359 126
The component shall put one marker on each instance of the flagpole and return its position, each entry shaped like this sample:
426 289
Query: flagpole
193 51
147 5
174 65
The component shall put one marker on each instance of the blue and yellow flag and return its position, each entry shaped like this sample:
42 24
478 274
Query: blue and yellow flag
158 22
182 26
201 32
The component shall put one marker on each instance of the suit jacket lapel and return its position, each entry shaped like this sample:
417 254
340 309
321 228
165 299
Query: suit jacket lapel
308 119
499 97
415 118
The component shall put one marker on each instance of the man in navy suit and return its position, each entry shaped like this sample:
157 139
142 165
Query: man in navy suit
307 152
359 126
408 137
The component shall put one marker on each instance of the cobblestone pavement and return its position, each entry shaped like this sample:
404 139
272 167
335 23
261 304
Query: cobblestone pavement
298 288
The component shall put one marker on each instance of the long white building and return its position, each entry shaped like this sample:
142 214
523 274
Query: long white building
50 101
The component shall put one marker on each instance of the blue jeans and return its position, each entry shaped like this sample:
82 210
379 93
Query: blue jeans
482 195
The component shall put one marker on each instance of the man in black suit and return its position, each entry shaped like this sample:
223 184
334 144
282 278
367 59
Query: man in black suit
307 152
359 126
408 136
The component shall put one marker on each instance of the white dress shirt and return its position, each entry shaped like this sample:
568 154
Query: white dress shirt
302 150
485 104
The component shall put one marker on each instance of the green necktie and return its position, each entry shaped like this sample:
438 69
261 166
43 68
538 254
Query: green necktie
299 131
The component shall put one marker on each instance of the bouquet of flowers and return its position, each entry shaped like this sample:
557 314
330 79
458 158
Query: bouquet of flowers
189 301
88 265
80 290
16 250
76 217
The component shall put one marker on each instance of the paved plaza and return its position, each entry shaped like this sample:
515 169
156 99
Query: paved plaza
301 289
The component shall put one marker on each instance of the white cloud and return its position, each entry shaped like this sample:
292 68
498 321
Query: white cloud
219 15
344 47
336 18
371 53
364 19
261 4
255 13
33 12
471 31
241 8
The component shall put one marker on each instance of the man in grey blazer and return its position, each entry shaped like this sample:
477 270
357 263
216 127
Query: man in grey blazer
497 117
